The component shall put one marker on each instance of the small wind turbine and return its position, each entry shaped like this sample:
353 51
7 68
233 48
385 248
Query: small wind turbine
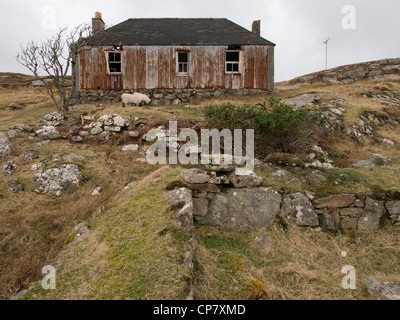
326 51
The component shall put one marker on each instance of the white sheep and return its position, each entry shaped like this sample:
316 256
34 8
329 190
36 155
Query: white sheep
137 99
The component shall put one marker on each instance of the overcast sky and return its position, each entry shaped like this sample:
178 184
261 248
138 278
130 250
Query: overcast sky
298 27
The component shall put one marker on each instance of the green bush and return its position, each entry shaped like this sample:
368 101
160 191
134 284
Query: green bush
277 126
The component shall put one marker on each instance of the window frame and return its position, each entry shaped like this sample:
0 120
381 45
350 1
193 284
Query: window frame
238 63
108 62
178 64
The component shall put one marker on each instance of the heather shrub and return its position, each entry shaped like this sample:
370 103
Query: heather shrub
278 128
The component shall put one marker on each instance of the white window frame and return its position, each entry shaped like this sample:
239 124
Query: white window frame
238 63
178 64
108 62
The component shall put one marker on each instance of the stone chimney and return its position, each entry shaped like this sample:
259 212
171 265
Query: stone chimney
98 24
256 28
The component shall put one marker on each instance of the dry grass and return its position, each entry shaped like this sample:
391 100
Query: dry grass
135 250
33 227
302 265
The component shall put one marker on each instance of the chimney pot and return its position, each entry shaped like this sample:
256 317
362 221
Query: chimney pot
98 24
256 28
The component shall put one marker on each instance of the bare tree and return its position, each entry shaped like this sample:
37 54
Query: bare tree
55 58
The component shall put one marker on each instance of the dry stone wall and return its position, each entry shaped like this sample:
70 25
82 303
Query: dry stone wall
212 198
158 97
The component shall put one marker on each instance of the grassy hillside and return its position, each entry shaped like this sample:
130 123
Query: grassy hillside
136 250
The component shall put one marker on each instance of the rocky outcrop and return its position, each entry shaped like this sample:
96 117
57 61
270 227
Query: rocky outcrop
387 68
365 127
387 290
303 100
65 177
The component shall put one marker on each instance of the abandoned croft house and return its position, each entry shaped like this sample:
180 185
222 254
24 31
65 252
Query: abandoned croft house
175 54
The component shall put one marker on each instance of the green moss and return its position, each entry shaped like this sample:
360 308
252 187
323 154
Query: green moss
70 238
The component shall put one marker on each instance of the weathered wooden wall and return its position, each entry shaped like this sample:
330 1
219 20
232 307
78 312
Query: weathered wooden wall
154 67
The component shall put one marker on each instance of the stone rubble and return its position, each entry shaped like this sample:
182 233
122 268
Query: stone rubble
48 133
10 167
53 119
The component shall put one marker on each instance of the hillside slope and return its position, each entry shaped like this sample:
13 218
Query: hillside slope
132 246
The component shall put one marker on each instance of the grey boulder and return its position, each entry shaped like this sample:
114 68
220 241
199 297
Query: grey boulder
182 198
298 209
243 209
372 215
197 176
245 179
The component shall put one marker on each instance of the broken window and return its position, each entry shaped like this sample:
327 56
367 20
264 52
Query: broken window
234 48
114 62
183 63
232 62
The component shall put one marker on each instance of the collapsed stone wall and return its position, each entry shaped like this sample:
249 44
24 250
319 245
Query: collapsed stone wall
386 68
158 97
220 197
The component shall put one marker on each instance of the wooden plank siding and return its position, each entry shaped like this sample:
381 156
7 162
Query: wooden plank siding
155 67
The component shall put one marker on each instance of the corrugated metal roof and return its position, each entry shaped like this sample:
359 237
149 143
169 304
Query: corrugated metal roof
175 31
